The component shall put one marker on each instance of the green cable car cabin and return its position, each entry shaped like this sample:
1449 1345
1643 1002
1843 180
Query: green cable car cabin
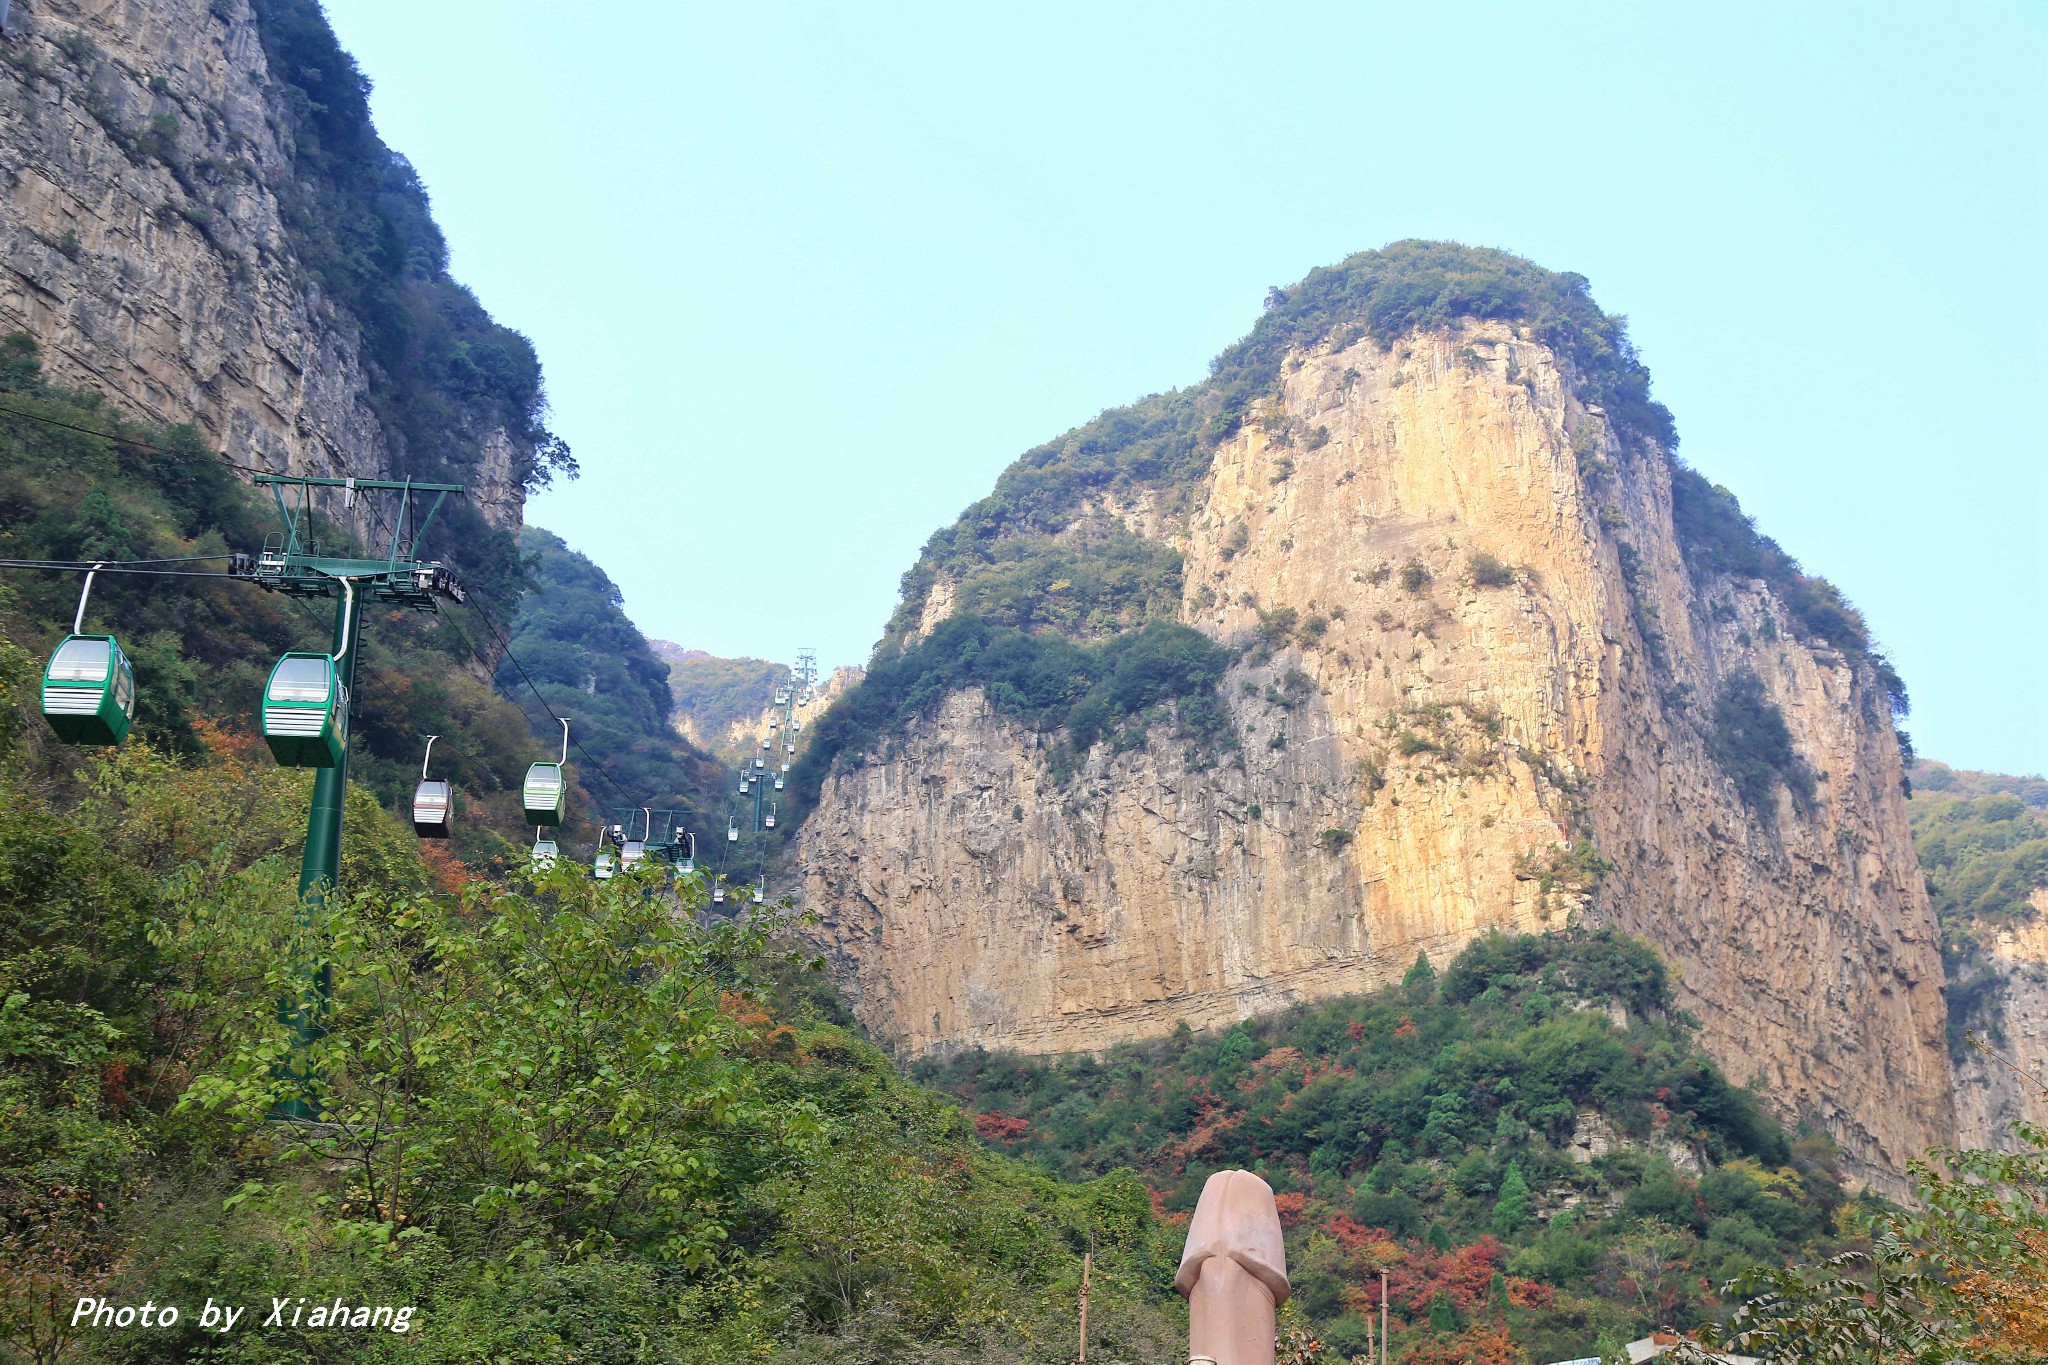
89 690
305 712
545 794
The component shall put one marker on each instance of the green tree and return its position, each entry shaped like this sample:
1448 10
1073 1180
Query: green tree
1511 1209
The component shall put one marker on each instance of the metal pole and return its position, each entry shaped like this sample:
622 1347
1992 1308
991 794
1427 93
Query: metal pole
320 866
1087 1264
1383 1317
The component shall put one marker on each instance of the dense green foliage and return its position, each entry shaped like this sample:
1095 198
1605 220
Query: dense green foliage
1964 1276
1428 1127
1753 745
595 668
571 1120
1111 691
1983 844
442 375
1982 840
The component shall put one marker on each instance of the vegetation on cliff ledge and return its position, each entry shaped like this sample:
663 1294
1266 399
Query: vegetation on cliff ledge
1113 691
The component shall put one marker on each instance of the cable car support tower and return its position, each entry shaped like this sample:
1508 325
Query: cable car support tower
291 564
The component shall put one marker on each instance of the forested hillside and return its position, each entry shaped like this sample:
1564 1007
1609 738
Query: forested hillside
565 1121
1531 1142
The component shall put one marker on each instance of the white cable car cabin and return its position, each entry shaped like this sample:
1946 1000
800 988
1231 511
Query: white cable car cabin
778 783
632 851
433 808
604 866
769 820
544 852
433 801
718 894
732 832
760 891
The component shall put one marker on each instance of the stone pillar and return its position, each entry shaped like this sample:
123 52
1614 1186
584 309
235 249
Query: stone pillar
1233 1271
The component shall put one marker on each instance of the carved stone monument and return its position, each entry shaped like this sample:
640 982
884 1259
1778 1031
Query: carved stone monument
1233 1272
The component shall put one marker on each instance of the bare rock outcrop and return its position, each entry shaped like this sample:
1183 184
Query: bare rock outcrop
1479 693
144 147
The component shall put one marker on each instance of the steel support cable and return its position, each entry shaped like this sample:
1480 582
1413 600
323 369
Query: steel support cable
119 439
83 564
32 564
504 644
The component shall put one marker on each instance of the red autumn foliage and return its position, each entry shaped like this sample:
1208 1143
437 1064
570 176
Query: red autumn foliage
1465 1273
1477 1345
994 1127
1355 1030
1290 1206
1407 1029
1349 1233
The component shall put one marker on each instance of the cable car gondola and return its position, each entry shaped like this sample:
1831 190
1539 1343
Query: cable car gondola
544 851
433 801
688 862
718 893
760 891
732 832
305 712
604 866
769 820
632 851
88 684
89 690
778 782
545 793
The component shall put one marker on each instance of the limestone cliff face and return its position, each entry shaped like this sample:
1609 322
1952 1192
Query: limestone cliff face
142 146
1991 1096
1484 701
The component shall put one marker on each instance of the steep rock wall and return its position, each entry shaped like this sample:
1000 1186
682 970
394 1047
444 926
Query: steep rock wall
1424 758
142 143
1990 1094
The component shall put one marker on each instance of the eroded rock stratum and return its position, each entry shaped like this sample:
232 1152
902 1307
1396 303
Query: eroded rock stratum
1432 748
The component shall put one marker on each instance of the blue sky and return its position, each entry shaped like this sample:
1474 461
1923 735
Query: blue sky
805 277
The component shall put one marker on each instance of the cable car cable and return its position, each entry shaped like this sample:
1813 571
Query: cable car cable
533 687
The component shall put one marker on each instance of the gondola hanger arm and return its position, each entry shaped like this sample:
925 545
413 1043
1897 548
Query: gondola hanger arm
348 599
429 756
78 621
565 739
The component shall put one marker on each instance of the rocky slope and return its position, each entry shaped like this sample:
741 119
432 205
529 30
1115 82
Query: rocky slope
724 706
1994 1092
1484 686
165 189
